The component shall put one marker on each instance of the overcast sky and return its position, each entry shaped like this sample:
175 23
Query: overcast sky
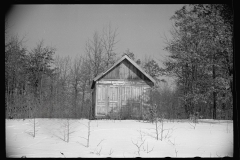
141 28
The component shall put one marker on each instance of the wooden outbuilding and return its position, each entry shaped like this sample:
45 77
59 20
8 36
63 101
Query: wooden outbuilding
122 89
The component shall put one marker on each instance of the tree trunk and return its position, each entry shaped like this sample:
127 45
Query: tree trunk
75 101
214 105
214 93
91 108
83 96
74 98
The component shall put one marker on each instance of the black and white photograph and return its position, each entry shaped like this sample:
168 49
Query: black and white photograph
119 81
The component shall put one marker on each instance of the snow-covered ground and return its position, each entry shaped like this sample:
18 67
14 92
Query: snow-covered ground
119 138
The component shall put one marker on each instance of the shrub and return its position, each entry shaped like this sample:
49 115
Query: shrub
150 113
125 113
194 117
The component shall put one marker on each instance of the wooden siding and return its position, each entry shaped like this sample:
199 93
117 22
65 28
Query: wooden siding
125 70
93 112
122 83
111 97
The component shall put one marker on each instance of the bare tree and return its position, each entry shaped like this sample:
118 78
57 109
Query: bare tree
85 87
138 145
66 129
100 50
99 56
88 132
109 42
94 52
75 79
62 90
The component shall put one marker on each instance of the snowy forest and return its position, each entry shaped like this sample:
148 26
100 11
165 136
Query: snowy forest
39 84
188 111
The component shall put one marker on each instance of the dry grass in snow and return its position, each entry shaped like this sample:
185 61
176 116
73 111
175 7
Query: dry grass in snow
119 138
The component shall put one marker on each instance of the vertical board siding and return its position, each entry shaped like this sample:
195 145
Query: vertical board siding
122 83
121 71
106 99
93 103
101 100
113 97
96 95
133 72
125 70
119 98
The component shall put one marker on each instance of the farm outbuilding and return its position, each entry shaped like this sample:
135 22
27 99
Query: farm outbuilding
121 90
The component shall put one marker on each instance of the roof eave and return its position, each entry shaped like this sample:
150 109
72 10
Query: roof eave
138 67
93 84
121 59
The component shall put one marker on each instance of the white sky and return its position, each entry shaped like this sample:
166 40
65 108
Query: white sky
141 28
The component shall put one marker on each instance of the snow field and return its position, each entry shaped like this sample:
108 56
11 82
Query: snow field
118 138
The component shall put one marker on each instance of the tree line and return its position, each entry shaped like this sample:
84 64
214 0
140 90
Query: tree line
37 84
201 59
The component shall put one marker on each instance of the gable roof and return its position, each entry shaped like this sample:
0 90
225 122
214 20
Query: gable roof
115 64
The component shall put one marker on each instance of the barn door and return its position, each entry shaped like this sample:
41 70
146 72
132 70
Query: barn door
101 100
136 105
113 99
126 94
